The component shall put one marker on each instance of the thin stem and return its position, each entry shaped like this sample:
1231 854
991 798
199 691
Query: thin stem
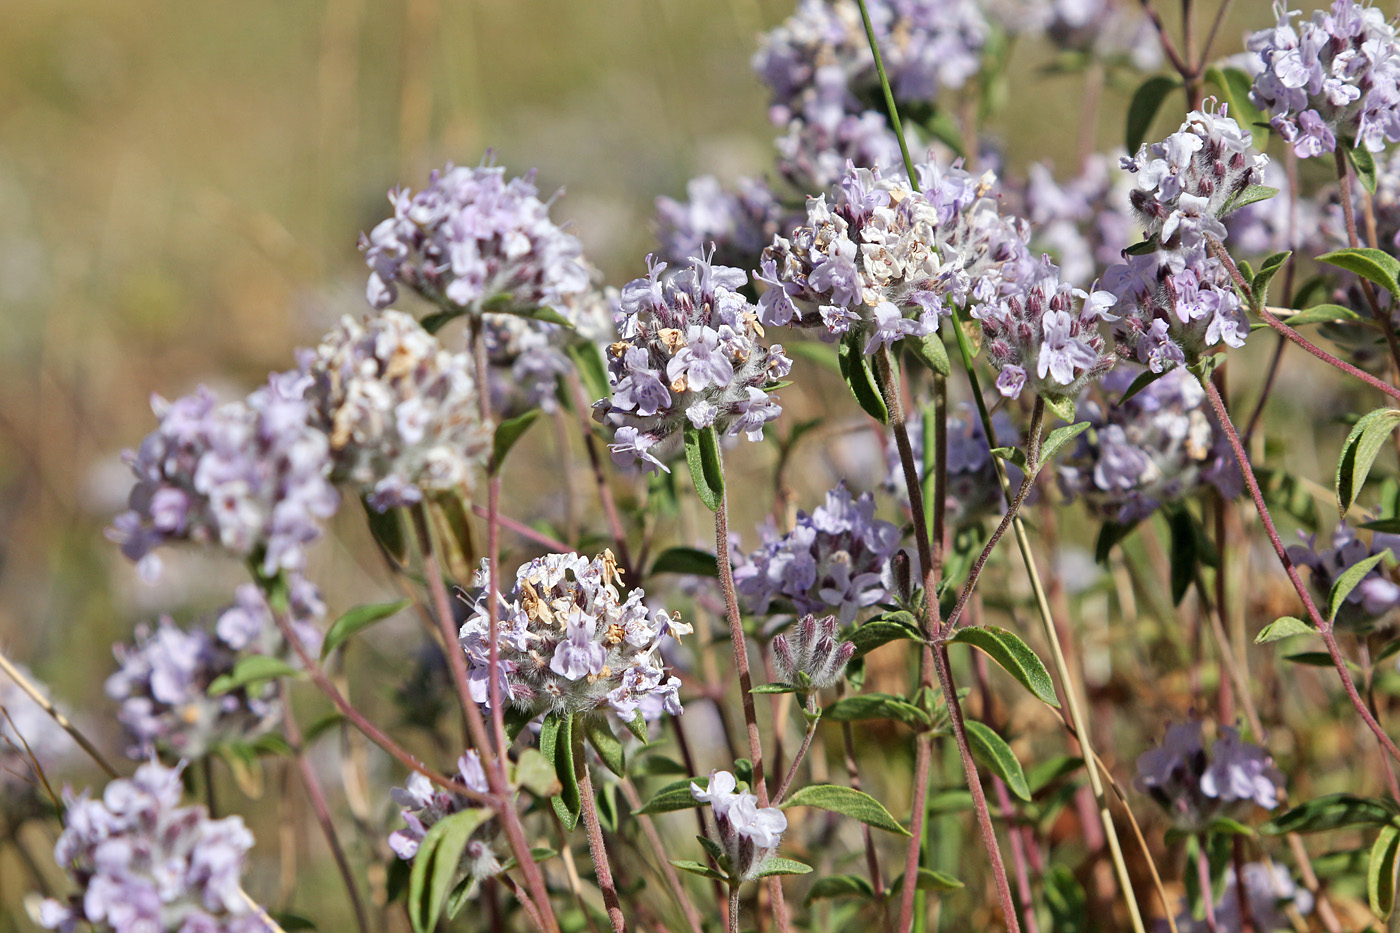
891 109
813 717
668 871
1348 214
1220 14
528 533
318 806
1203 878
1168 46
733 908
598 851
63 721
1324 627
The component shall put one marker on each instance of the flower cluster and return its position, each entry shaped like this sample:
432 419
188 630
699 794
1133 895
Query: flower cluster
252 476
1038 341
1157 448
143 862
688 352
748 834
400 412
834 559
424 805
527 356
164 677
815 656
881 251
974 491
27 737
1337 75
473 241
737 223
1373 597
1194 788
1269 891
568 642
1176 299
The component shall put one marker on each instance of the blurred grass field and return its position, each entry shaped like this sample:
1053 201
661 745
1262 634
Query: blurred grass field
181 187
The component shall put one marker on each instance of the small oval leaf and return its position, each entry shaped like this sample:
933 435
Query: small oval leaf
357 620
689 560
1283 627
703 458
250 670
1015 657
1359 452
1348 581
848 802
856 370
992 750
1147 100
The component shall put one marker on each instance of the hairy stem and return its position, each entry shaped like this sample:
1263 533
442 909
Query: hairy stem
598 851
813 717
1349 216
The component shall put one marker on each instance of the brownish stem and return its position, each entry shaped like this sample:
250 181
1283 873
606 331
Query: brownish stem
598 851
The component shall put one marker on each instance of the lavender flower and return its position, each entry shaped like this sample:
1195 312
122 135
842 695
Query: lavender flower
834 559
251 476
1039 342
424 805
472 242
748 834
401 412
883 261
1159 447
1270 892
1377 593
1333 77
164 676
1177 300
815 656
738 223
688 351
1196 789
974 492
143 862
569 642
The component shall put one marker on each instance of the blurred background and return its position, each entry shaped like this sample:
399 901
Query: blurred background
181 189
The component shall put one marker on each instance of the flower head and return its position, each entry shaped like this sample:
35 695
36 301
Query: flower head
475 242
143 862
1377 592
567 641
424 805
1195 788
400 411
748 833
814 655
834 559
688 353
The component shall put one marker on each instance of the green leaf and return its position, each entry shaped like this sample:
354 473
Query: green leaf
1225 826
592 368
698 868
1142 247
436 865
702 456
1359 452
860 376
1011 455
890 627
1380 872
321 726
637 725
1059 438
848 802
1250 195
356 620
931 352
1390 526
776 688
928 880
1066 900
876 706
1322 314
833 886
250 670
449 515
1348 581
387 529
1372 264
1147 100
1283 627
1143 380
535 773
557 745
1268 270
1110 534
436 322
674 796
516 720
992 750
1184 559
1043 773
1015 657
783 866
508 432
290 922
539 313
1064 407
1331 812
689 560
1365 164
715 850
601 737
